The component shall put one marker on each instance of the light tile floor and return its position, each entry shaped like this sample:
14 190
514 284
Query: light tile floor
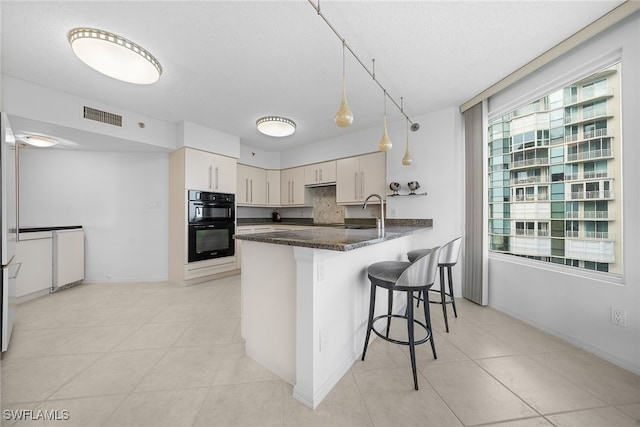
153 354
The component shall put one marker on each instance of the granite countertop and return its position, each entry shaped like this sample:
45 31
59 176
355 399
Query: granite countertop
333 238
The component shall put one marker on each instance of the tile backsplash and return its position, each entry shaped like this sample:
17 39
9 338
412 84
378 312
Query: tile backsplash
325 208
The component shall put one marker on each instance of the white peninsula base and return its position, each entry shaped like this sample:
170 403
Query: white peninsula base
304 310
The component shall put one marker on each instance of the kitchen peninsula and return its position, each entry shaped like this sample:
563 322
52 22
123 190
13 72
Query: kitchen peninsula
305 297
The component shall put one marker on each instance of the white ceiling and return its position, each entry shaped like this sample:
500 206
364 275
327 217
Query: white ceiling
227 63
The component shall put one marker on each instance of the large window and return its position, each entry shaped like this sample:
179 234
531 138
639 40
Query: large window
555 175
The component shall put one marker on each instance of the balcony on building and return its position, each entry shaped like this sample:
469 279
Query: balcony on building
590 250
590 235
527 158
589 95
530 180
586 116
592 195
590 215
604 153
591 134
588 175
536 246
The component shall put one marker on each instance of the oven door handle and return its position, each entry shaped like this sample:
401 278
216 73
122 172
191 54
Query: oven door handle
199 227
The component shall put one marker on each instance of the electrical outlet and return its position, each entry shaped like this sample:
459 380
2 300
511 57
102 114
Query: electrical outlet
324 342
619 316
320 271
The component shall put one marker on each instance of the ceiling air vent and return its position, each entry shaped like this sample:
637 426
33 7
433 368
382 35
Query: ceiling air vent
102 116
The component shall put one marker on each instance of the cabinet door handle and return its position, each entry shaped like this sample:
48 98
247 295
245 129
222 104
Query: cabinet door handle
268 195
246 189
210 177
355 186
362 185
251 186
217 178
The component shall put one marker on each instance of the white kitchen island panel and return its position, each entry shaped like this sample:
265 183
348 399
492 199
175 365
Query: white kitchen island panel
304 310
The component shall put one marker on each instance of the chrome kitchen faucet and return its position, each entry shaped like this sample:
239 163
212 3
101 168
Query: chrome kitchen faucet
381 225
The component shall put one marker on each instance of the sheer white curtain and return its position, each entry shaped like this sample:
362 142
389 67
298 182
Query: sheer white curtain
474 271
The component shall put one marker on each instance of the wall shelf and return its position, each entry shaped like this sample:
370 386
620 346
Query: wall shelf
405 195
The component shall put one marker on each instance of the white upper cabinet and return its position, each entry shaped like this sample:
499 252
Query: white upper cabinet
209 172
360 176
320 173
292 191
273 187
252 186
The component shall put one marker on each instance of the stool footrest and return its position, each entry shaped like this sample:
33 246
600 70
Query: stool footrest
398 316
446 301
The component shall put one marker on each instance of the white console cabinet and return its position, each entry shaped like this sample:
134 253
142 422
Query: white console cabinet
50 259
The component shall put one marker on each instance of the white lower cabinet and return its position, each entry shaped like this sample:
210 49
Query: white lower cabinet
50 259
36 273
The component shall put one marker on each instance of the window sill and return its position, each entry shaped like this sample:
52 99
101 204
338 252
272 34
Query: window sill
606 278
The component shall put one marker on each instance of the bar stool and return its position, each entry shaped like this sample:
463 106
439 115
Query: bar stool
402 276
448 258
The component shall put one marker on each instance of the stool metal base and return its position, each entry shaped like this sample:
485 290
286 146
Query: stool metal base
445 297
411 321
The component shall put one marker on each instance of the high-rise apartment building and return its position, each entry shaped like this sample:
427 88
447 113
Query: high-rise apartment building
555 176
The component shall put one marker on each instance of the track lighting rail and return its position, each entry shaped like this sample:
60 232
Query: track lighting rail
372 73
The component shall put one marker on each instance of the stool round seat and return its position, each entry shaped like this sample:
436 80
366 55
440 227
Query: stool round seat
402 276
386 274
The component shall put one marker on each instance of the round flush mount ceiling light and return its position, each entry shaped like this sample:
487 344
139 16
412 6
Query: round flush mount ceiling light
114 56
39 140
276 126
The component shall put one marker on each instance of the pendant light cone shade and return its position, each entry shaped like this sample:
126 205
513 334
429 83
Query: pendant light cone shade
114 56
385 142
344 116
407 160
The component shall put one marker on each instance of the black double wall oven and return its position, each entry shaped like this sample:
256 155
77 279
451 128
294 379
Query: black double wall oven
211 225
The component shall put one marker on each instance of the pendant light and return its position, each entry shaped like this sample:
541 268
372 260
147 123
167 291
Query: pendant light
385 142
407 160
344 116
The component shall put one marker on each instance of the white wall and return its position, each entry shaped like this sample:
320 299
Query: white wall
437 165
65 111
568 303
259 158
437 151
119 197
207 139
